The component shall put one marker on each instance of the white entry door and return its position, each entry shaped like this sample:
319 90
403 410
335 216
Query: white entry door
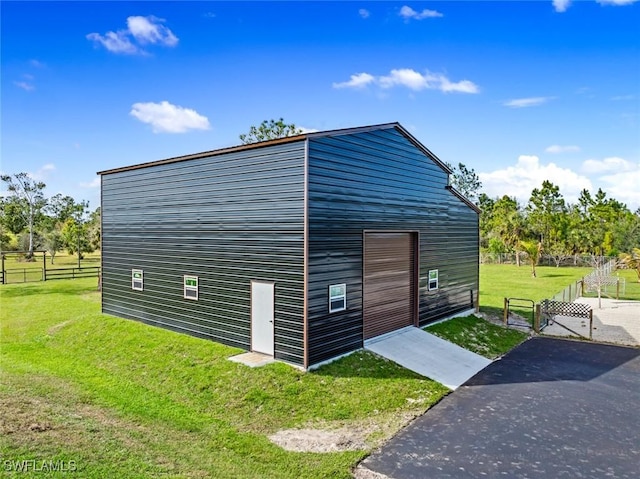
262 314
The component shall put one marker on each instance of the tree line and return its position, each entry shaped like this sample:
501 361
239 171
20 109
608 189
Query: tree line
595 225
29 221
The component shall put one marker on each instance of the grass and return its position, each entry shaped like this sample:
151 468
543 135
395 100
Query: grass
126 400
478 335
499 281
122 399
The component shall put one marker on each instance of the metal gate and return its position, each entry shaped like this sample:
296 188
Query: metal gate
548 310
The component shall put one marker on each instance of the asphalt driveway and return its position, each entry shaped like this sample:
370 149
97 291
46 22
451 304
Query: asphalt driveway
550 408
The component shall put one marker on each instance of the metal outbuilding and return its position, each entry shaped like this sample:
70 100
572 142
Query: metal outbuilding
301 247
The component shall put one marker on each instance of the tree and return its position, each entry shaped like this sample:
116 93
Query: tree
30 192
534 251
270 130
466 181
75 231
13 214
59 209
53 242
75 238
632 260
508 223
486 219
546 213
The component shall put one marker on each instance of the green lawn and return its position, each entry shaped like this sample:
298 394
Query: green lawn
499 281
478 335
126 400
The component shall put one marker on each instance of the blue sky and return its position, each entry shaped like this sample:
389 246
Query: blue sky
519 91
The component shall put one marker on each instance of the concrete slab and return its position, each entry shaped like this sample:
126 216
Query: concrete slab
616 321
252 359
428 355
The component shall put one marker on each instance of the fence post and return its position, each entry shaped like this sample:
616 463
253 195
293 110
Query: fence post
505 311
4 274
618 289
536 321
591 324
582 287
44 266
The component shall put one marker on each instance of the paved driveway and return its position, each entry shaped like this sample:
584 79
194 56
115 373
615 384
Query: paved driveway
551 408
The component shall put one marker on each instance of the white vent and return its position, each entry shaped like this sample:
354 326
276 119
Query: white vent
191 287
137 280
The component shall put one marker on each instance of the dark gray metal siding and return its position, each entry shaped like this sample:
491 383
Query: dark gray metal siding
379 180
227 219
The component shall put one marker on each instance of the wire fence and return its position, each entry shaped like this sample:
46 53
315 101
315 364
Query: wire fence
545 259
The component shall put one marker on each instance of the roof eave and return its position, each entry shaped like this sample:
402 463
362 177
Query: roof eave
464 199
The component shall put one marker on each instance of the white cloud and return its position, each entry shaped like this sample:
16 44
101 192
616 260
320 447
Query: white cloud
167 118
411 79
623 186
618 177
463 86
405 77
611 164
555 149
527 102
307 130
36 63
624 97
616 2
364 13
561 5
142 30
42 173
115 42
25 85
359 80
150 30
528 173
95 183
409 13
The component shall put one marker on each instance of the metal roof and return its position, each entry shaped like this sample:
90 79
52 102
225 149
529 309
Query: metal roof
289 139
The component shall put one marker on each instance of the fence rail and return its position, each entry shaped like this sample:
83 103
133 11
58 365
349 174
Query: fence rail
72 273
32 275
22 275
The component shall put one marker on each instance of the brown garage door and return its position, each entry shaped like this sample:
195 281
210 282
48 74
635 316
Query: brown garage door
388 282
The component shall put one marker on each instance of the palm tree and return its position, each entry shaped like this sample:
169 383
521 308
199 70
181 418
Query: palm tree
534 250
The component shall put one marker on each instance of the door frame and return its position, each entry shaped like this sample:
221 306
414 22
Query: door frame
415 274
272 321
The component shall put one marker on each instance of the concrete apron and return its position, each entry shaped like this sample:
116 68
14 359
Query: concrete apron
428 355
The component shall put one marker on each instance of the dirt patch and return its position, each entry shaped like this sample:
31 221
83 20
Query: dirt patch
57 327
362 472
363 435
516 321
314 440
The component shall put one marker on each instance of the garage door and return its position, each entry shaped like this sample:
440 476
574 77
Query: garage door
388 282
